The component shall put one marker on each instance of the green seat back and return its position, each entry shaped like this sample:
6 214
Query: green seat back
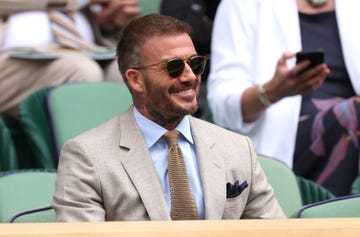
312 192
75 108
39 215
35 124
355 187
284 183
347 206
149 6
25 189
8 156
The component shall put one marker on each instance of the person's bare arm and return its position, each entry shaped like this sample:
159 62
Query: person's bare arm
117 12
285 82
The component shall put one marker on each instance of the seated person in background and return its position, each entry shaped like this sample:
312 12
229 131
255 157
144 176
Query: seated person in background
306 118
200 15
28 25
119 170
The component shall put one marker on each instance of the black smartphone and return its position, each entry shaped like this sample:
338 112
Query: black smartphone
315 57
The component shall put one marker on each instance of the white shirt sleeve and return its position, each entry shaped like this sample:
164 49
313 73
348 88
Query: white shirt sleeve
232 62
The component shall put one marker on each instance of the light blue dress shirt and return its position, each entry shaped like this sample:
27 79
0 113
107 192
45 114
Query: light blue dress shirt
159 150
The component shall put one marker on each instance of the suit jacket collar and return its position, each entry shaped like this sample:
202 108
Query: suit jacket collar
140 168
138 164
211 170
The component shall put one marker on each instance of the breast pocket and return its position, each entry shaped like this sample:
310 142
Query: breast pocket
234 207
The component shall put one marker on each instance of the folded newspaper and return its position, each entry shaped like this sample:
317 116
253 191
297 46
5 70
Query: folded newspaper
53 52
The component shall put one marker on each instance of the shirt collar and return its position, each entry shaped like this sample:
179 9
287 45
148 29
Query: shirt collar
153 132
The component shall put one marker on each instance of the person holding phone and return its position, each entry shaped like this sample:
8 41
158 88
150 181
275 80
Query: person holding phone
306 118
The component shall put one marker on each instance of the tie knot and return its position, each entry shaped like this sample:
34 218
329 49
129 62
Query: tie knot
171 137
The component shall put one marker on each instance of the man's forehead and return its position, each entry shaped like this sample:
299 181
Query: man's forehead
171 38
169 46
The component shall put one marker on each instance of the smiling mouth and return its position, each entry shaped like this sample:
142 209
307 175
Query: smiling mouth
186 91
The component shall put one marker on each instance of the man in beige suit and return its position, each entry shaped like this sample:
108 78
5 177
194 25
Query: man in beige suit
118 171
25 23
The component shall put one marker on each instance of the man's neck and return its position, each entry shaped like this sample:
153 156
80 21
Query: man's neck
168 123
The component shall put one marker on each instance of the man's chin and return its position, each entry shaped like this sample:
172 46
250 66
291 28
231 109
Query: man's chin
186 110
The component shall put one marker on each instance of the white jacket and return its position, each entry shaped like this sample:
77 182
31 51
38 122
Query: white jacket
249 36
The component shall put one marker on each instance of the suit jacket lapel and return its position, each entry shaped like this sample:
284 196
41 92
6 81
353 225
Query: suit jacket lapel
138 164
212 172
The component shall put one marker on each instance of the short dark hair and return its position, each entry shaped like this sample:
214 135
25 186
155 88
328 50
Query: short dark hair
138 30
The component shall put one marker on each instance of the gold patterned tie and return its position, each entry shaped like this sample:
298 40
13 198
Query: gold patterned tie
65 32
183 205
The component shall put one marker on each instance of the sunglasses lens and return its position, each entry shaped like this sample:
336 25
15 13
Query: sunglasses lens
197 64
175 67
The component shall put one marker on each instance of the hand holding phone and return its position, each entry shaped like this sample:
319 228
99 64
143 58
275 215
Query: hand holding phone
315 57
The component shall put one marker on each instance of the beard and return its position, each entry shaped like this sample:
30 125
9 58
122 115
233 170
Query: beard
164 109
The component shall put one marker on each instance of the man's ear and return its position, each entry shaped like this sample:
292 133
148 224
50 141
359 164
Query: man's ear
135 80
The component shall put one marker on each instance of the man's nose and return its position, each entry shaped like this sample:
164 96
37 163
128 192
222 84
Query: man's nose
188 73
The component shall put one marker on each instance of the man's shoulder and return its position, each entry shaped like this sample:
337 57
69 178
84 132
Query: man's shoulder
213 129
110 129
106 129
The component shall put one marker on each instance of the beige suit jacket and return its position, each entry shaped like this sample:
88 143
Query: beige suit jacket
107 174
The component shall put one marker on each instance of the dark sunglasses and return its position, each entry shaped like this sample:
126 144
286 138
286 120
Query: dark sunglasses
174 67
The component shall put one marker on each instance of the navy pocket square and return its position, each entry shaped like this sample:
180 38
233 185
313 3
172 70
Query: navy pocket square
234 190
